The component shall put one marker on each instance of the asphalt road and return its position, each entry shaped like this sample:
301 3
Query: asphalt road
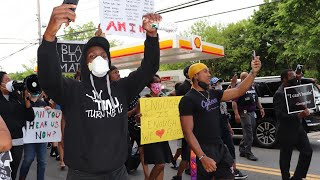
267 168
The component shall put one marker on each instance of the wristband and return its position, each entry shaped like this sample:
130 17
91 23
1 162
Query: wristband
202 157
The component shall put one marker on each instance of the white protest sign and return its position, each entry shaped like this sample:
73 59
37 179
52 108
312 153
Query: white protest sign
299 98
124 17
46 126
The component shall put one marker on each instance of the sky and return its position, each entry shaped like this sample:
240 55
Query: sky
20 26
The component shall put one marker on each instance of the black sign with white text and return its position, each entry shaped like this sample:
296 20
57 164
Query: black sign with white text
70 54
299 98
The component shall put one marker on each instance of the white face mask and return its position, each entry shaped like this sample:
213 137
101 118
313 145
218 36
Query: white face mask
99 66
218 87
9 86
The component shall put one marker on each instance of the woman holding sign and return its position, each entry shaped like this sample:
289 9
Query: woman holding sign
155 153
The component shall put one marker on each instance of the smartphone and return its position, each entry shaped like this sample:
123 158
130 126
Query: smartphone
299 69
75 2
254 54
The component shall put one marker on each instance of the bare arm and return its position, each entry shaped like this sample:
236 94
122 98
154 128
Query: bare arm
234 93
240 90
187 128
262 113
5 137
235 107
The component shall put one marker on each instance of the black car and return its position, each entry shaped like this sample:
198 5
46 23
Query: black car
266 129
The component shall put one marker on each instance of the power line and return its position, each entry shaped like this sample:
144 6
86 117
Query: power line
183 7
14 43
79 32
182 4
200 17
26 47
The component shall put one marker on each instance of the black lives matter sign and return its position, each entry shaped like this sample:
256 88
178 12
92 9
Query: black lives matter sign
299 98
70 54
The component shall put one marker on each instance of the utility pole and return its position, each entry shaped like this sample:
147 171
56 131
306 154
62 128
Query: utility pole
39 22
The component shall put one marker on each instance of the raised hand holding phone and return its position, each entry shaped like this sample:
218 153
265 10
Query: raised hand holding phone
255 63
60 14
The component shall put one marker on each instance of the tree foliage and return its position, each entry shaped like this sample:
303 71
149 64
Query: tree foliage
84 33
283 34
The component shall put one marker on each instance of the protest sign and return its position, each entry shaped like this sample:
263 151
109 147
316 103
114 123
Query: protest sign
160 119
299 98
70 54
46 126
123 17
5 169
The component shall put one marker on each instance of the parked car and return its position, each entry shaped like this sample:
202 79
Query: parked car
266 129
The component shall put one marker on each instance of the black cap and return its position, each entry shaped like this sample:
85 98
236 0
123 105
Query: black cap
98 41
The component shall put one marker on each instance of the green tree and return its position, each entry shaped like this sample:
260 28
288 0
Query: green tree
299 23
84 33
28 70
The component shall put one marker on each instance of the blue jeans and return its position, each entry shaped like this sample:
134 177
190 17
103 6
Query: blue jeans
30 151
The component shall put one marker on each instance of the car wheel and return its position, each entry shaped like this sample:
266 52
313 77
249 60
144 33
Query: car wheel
265 134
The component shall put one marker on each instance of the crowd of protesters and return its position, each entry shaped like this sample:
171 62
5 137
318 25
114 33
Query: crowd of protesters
102 151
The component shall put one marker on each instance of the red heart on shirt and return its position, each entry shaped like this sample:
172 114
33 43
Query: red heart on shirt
160 133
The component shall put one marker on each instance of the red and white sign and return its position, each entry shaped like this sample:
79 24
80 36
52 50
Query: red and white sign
123 17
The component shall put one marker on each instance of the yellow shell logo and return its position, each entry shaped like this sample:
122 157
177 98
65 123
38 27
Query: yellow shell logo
197 42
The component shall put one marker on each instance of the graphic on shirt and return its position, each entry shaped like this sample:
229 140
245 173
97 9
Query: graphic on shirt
210 104
104 107
5 170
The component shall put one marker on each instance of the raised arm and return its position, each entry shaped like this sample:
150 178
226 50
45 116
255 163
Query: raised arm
242 88
49 69
138 79
5 137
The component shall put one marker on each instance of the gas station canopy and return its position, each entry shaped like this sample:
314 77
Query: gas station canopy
172 50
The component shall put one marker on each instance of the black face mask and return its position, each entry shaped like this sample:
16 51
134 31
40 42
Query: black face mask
293 82
203 85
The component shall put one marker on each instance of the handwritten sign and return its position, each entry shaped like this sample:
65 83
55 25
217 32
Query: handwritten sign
46 127
70 54
299 98
124 17
160 119
5 170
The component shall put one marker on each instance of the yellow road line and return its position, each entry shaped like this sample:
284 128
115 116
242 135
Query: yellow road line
271 171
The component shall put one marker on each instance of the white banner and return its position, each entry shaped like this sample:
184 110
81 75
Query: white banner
124 17
46 127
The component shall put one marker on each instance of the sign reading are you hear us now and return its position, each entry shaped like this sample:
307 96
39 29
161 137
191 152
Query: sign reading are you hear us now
160 120
46 127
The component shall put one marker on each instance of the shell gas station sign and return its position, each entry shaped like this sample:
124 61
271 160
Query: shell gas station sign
172 50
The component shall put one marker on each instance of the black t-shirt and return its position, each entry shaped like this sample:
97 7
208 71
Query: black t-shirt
206 114
183 88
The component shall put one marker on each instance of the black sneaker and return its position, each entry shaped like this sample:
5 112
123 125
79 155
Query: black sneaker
187 171
49 145
242 154
177 178
252 157
238 175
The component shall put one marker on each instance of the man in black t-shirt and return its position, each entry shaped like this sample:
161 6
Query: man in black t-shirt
199 115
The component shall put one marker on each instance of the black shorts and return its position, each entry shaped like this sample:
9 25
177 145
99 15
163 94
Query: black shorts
185 154
220 154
